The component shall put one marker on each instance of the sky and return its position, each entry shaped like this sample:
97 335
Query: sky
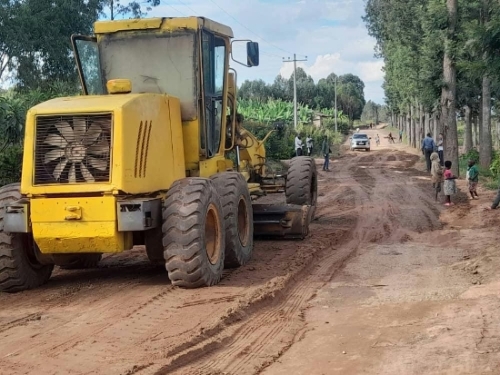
330 33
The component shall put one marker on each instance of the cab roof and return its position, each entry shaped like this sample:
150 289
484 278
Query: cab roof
164 23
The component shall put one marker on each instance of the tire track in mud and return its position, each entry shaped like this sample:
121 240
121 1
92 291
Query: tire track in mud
269 334
257 341
110 323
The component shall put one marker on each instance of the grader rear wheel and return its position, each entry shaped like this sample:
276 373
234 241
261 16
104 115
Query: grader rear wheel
193 233
238 217
19 267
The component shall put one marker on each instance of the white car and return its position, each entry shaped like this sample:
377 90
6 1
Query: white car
360 141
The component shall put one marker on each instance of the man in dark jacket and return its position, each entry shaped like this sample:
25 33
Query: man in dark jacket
428 147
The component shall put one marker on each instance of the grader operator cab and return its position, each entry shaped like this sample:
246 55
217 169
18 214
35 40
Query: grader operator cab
152 154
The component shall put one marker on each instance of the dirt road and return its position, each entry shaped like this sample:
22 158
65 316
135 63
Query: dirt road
383 286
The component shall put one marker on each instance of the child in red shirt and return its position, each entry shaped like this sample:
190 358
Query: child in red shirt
450 186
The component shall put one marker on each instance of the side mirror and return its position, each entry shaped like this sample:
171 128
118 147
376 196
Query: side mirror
253 54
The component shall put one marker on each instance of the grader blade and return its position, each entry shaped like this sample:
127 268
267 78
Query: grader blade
282 221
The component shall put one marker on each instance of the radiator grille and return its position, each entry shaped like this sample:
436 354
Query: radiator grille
73 149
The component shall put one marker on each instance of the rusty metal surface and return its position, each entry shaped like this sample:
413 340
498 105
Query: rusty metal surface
281 221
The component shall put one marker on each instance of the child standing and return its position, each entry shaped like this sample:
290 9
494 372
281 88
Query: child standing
473 177
377 140
450 186
436 173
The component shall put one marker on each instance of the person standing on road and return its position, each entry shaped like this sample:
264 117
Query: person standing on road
309 145
450 187
325 150
473 178
298 145
436 174
428 147
377 140
496 201
400 136
441 148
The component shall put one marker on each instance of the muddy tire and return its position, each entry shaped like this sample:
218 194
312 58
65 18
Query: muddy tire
238 217
79 261
302 182
19 267
193 233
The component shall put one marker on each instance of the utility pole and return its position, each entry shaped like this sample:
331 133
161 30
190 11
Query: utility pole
335 104
294 86
112 11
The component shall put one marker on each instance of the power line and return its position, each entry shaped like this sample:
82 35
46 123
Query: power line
258 36
171 6
187 6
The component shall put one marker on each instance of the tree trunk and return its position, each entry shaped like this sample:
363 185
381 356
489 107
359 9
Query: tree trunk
475 138
408 127
421 120
435 123
428 124
448 92
480 128
413 127
485 153
468 130
497 138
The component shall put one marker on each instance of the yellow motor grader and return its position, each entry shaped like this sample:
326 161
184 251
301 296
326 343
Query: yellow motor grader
151 154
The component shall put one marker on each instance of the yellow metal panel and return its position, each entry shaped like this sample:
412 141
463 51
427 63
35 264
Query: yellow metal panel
147 144
167 24
104 27
191 140
119 86
147 159
77 225
209 167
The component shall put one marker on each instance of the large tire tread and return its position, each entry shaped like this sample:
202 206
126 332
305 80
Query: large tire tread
16 272
301 174
184 217
231 186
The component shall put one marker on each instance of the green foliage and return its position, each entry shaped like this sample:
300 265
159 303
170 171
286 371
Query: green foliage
278 110
350 92
13 108
495 166
10 164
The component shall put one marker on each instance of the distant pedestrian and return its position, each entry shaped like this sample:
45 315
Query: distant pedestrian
391 138
428 147
377 140
298 145
473 178
440 147
450 186
436 174
326 151
309 145
400 136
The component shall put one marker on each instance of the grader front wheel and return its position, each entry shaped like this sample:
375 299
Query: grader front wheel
238 217
302 182
19 268
193 233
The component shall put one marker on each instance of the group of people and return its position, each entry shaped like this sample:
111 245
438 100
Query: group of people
299 145
434 158
325 149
